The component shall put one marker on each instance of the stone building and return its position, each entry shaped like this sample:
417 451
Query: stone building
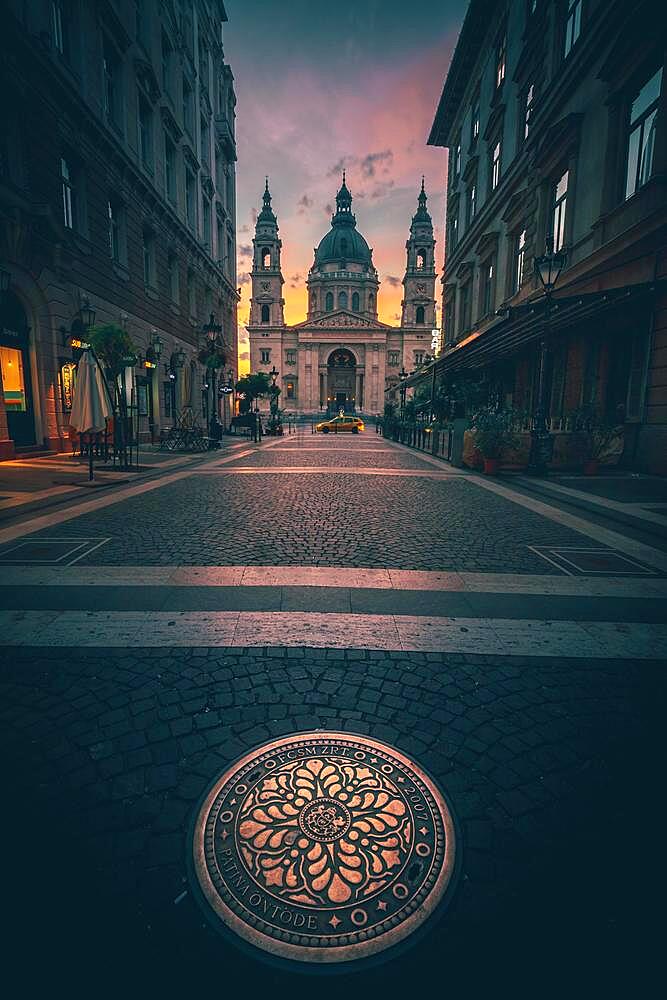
554 118
117 193
341 356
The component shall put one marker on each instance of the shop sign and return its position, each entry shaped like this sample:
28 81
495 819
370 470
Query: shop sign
150 364
67 371
80 345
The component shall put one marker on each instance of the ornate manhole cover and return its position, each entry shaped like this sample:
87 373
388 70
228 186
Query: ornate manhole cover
324 847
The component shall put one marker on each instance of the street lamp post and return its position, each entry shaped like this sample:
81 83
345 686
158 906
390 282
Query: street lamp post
402 389
214 359
548 268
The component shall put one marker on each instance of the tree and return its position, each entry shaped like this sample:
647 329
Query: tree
251 387
116 351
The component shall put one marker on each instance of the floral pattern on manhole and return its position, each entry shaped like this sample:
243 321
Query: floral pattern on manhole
324 847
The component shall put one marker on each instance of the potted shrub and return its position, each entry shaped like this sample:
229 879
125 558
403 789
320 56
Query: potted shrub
493 432
594 436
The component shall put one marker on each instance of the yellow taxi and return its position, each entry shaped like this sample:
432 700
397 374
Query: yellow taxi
339 424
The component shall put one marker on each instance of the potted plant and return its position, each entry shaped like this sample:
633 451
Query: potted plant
494 432
594 436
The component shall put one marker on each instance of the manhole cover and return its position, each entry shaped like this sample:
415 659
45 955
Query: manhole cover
324 847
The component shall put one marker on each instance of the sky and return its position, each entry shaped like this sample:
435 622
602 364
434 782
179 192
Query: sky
322 86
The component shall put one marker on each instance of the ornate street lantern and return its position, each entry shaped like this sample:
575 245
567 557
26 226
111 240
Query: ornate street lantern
549 266
87 314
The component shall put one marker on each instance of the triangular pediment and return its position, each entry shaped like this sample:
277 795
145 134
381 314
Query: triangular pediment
342 319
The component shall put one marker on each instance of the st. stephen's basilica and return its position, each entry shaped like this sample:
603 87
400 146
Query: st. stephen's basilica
341 356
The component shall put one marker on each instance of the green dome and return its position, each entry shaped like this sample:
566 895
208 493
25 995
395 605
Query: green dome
343 242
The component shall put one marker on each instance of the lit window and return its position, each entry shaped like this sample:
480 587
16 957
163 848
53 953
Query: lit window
421 260
641 138
572 24
266 257
528 110
519 260
558 211
495 165
290 390
501 59
68 194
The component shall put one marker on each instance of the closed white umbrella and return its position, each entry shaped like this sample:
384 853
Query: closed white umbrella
91 405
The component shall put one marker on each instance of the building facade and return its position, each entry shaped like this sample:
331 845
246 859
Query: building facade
117 193
553 115
341 356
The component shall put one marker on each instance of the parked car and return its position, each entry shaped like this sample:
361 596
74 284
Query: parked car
338 424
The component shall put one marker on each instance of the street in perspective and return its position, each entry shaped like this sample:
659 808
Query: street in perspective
333 496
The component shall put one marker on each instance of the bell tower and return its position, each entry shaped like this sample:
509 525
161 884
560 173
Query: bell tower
266 303
419 281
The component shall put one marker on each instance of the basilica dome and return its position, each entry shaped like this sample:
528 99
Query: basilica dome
343 242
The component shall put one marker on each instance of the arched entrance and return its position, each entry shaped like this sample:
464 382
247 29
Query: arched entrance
341 381
15 367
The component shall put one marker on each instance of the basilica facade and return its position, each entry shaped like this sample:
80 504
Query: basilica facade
341 356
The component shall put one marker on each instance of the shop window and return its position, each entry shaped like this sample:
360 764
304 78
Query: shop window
13 380
265 314
419 316
641 137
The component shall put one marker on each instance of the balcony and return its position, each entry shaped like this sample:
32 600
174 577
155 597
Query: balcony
225 135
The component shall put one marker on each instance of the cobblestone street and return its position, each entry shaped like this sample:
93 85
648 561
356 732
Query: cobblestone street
227 607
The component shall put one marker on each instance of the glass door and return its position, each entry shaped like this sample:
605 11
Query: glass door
15 367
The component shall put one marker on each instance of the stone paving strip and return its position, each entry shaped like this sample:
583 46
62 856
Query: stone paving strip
407 633
331 577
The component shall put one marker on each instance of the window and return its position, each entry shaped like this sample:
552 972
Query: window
474 121
421 260
59 28
190 198
290 357
148 257
115 220
13 380
230 256
487 289
229 190
392 359
419 315
172 271
371 303
69 203
220 241
191 293
641 138
572 24
355 302
449 321
206 221
187 106
290 390
519 259
205 143
471 203
266 314
265 356
167 60
266 257
329 302
111 70
219 172
145 132
465 303
558 211
456 156
170 169
501 59
342 300
453 232
496 153
528 105
419 357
